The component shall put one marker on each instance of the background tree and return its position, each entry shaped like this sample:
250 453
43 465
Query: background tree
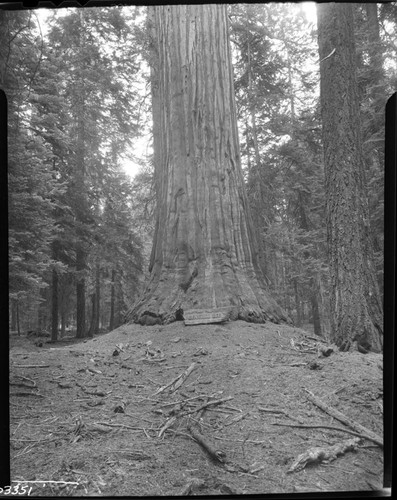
356 311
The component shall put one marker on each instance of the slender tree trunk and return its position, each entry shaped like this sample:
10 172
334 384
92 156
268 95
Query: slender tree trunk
63 324
54 296
95 301
81 206
315 307
54 306
297 304
356 310
205 251
80 293
112 300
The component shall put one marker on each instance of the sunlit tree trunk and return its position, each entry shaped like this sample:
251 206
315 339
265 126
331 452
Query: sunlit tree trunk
356 309
205 252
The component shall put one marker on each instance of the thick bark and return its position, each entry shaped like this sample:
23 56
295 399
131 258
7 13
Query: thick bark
356 310
204 253
17 318
13 325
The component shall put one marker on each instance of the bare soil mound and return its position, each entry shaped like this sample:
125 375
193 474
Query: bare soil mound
192 410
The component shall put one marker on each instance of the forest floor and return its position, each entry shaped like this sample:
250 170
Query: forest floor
92 416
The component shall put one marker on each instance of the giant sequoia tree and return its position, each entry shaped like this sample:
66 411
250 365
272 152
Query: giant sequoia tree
204 252
356 309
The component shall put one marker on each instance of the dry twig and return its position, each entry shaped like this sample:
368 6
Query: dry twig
363 431
177 381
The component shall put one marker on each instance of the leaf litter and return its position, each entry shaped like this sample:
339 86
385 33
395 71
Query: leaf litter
238 409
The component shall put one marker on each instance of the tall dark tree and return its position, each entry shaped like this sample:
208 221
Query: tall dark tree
205 254
356 309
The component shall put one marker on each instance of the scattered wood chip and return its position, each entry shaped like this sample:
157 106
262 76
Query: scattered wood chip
325 454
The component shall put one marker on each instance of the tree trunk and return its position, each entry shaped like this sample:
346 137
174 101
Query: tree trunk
80 194
315 307
112 300
63 324
298 306
356 310
80 292
204 253
54 306
95 300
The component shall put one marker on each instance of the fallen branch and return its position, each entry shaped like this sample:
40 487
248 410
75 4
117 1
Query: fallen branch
210 403
363 431
238 418
217 455
282 412
35 394
168 424
328 453
123 426
177 381
30 366
341 429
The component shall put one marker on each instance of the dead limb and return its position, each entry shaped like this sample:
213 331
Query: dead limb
168 424
210 403
363 431
238 418
35 394
327 453
215 454
177 381
30 366
341 429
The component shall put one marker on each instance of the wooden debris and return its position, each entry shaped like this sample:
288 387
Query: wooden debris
360 429
31 366
214 453
238 418
340 429
192 486
177 381
167 425
324 350
210 403
327 453
35 394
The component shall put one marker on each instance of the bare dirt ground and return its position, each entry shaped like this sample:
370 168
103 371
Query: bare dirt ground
102 415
